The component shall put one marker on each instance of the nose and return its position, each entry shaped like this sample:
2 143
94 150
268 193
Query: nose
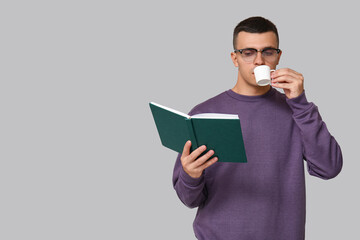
259 60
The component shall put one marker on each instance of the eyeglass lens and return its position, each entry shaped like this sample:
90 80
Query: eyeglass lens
269 55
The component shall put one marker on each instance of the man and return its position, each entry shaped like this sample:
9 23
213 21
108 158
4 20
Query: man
263 199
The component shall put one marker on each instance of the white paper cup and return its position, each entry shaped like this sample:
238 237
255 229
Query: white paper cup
262 75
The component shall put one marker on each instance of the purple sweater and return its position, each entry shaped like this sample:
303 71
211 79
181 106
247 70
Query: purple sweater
263 199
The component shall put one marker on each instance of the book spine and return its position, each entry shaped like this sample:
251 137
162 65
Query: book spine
194 143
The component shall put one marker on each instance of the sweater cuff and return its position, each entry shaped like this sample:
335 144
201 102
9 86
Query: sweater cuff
188 180
299 104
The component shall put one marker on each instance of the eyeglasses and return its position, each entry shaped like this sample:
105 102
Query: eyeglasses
249 54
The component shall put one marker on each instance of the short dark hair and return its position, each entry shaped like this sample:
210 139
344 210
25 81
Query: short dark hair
255 25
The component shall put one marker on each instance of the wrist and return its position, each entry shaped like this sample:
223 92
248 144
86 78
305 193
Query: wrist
190 180
295 94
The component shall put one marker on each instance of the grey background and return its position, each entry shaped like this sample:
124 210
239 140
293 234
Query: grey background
80 156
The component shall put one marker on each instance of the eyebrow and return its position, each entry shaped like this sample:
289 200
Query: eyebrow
262 48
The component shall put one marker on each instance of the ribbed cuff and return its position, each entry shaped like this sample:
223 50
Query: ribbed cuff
299 104
193 182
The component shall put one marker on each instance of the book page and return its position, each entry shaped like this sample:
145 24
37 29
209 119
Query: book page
215 116
171 110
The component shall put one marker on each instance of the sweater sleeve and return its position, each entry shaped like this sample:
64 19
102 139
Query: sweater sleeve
191 191
320 149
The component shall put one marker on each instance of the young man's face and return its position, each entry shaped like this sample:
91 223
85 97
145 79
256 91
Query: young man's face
257 41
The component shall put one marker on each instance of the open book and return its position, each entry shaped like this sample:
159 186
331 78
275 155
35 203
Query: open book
219 132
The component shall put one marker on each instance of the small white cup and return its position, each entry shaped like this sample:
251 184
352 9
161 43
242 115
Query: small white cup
262 75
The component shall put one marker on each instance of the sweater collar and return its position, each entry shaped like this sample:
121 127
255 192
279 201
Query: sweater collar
251 98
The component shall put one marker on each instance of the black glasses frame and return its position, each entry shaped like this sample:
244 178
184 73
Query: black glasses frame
262 50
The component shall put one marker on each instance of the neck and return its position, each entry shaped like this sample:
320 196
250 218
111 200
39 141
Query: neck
251 92
248 89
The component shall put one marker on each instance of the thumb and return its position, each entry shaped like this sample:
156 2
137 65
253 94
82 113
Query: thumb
186 150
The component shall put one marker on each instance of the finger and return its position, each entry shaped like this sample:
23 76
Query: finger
208 163
200 161
286 76
283 85
284 79
196 153
284 72
186 150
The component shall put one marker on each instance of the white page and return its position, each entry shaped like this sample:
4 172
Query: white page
171 110
216 115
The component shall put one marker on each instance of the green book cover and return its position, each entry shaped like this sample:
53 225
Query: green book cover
219 132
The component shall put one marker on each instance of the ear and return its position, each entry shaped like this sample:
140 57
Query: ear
279 57
234 59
